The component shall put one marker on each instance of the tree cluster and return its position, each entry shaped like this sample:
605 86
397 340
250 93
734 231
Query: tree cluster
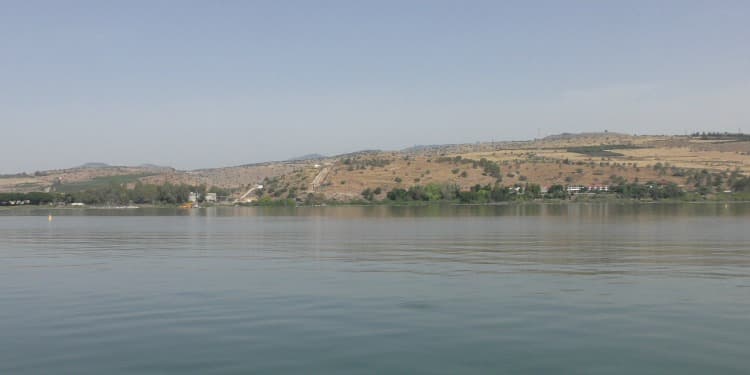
650 190
476 194
113 194
489 168
8 199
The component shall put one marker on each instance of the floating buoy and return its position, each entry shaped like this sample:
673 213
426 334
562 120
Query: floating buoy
49 217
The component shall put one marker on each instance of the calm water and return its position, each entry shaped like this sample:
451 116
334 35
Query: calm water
599 289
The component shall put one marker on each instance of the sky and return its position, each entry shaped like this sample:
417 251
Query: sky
195 84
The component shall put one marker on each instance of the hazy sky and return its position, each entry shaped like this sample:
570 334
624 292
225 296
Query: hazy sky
217 83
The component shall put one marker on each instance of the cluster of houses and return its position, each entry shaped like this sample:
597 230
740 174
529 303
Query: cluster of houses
208 197
27 201
573 189
15 203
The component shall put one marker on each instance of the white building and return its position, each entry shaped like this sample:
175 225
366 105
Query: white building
210 197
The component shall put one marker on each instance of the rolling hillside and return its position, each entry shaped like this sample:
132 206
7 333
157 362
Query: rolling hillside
567 159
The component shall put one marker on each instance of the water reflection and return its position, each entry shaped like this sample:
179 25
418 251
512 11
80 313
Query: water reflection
595 209
562 238
532 288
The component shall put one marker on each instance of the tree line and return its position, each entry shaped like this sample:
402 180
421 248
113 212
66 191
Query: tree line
489 167
479 194
453 193
113 194
720 135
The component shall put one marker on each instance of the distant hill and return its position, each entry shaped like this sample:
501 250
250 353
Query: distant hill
585 159
560 136
98 165
423 148
94 165
307 157
358 153
154 166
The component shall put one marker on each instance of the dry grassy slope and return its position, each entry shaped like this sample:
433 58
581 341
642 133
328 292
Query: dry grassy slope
22 184
592 140
67 176
537 160
541 162
516 167
300 180
230 177
715 157
344 182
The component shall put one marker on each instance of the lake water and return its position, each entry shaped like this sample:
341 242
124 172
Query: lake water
580 288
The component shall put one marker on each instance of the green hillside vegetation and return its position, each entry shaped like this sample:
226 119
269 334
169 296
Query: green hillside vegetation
600 151
116 194
99 182
489 168
738 137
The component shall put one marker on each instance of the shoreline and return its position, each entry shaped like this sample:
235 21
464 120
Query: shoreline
618 201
